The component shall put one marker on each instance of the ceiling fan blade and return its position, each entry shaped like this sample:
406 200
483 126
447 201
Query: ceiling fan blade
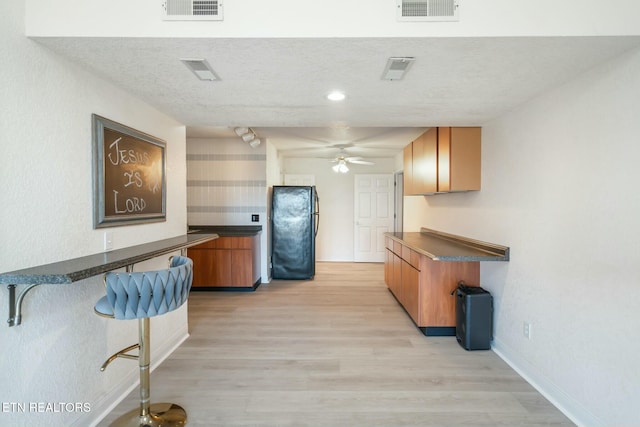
361 162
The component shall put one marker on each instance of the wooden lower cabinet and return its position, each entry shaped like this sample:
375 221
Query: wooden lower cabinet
424 286
227 263
411 291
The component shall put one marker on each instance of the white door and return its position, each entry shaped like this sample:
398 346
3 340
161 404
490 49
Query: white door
373 216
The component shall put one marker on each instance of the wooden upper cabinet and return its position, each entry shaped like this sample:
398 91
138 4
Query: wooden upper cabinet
459 158
443 159
425 162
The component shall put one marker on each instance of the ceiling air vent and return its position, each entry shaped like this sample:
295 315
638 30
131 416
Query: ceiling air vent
192 10
397 67
427 10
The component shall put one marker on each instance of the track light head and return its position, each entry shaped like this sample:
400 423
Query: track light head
248 135
241 131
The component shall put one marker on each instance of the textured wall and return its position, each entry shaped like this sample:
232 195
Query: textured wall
226 184
46 216
559 187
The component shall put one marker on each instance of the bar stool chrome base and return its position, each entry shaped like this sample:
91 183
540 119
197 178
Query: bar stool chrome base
160 415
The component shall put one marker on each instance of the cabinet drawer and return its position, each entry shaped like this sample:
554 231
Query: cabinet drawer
406 253
244 242
414 259
219 243
397 248
388 243
411 257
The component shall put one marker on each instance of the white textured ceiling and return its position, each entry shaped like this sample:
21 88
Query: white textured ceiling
279 86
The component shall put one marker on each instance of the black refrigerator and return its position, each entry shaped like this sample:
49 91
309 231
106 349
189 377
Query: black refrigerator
295 216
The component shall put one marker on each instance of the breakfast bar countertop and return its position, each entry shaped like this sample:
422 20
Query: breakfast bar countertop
72 270
441 246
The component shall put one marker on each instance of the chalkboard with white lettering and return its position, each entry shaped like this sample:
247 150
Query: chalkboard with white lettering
128 175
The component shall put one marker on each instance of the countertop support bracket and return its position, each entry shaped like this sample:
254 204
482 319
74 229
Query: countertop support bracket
15 304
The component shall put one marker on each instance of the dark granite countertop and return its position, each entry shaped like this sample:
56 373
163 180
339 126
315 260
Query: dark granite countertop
226 230
441 246
92 265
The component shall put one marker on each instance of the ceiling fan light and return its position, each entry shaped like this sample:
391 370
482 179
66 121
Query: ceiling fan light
341 167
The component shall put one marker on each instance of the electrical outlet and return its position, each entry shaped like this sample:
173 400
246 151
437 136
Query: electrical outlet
108 240
255 218
526 330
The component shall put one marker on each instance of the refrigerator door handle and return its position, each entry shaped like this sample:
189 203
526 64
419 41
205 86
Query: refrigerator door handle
317 222
317 213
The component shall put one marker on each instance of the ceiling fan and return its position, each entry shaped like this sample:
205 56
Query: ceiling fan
342 160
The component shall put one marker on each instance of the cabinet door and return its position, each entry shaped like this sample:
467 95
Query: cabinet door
221 260
202 266
410 290
459 158
425 162
241 267
388 268
397 277
255 250
211 267
437 282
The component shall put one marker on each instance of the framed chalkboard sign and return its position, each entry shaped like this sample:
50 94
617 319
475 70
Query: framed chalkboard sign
129 182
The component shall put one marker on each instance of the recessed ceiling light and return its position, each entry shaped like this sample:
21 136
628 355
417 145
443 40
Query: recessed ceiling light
336 96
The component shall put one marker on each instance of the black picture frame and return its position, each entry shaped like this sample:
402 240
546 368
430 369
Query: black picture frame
129 175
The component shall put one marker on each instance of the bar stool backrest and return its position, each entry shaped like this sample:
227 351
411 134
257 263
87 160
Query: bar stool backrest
136 295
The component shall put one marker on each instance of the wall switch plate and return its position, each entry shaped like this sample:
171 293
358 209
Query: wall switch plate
108 240
255 218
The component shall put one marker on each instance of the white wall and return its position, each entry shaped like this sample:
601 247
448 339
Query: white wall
336 191
560 178
348 18
46 216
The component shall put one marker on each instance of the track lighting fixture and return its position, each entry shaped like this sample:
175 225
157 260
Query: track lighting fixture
248 135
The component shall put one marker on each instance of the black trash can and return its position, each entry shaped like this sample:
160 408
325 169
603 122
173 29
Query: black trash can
474 317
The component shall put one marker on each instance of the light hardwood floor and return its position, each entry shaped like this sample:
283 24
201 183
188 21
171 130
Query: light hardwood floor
334 351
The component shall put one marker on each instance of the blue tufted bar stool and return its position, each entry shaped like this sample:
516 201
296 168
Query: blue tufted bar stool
141 295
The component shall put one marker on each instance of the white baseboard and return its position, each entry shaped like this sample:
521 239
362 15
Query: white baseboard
103 406
575 411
